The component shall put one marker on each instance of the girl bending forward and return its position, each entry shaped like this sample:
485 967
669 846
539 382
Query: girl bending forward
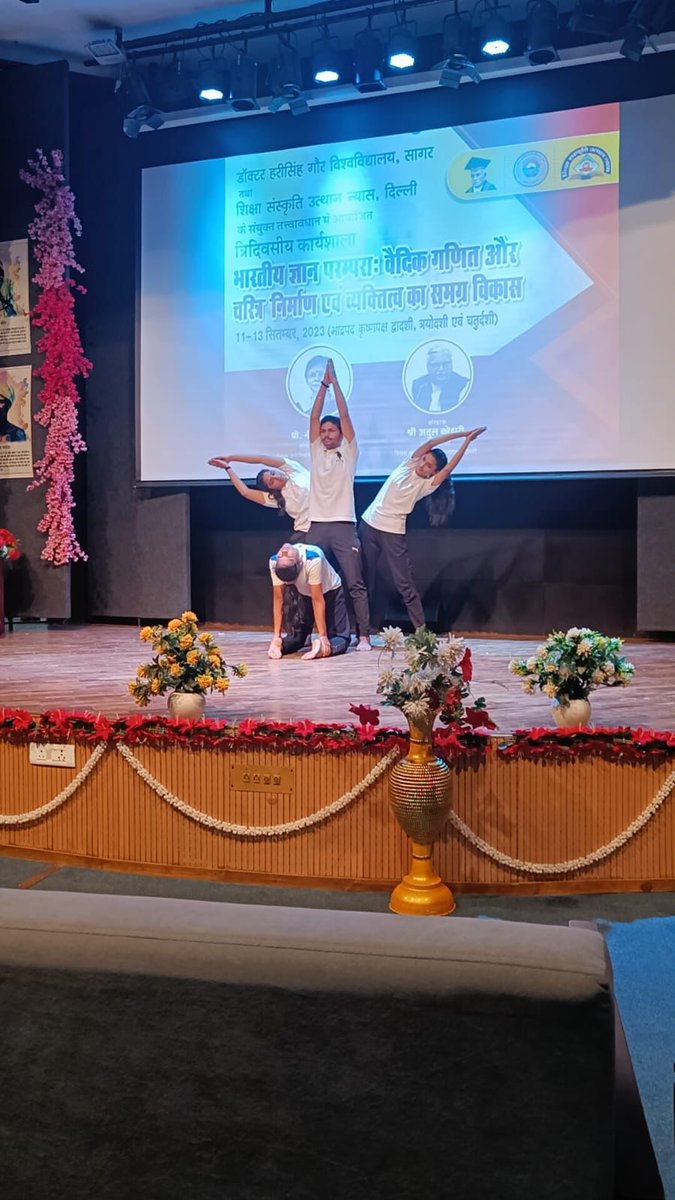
306 591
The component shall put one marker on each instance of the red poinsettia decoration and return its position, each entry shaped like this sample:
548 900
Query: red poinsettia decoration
366 714
466 666
10 547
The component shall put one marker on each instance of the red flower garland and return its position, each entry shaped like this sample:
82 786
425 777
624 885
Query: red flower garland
64 358
537 745
18 725
561 745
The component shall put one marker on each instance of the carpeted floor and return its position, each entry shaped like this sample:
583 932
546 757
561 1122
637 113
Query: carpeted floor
643 960
639 930
542 910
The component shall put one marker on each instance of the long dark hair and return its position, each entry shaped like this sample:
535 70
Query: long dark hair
441 503
293 609
277 496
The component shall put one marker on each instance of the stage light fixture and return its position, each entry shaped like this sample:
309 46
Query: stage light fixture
402 50
171 86
457 63
457 32
326 67
285 70
244 84
634 41
285 79
106 52
139 117
644 18
211 84
455 68
495 35
594 17
368 60
541 33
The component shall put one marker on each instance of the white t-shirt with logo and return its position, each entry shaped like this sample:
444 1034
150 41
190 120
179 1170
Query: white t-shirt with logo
314 568
331 491
296 494
397 497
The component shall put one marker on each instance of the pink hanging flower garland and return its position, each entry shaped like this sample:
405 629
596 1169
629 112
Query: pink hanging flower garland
60 343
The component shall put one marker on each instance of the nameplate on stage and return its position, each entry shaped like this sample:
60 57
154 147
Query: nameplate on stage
261 779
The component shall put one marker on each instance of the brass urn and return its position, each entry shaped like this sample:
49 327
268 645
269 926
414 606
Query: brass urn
419 787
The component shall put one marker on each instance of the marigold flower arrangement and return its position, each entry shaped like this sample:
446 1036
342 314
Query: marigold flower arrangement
10 546
184 661
435 681
567 666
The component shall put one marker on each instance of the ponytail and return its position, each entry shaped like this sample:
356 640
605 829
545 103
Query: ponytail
441 502
292 610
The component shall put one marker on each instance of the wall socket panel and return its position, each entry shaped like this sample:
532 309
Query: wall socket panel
51 754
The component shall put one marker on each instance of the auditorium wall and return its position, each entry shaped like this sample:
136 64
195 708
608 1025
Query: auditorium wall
520 556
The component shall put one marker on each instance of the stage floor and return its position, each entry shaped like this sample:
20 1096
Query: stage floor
87 668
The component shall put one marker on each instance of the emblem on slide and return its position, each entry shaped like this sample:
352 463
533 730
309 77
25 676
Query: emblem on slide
530 168
585 163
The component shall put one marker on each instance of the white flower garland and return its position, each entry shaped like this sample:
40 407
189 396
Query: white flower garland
259 831
336 806
36 813
573 864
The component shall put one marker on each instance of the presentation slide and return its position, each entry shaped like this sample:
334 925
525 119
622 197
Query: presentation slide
514 274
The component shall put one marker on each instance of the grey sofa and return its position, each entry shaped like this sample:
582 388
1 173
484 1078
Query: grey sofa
178 1050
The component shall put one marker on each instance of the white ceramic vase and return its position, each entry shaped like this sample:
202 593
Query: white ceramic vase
187 706
572 715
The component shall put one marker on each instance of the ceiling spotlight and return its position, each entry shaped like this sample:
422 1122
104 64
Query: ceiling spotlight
593 16
141 117
298 105
171 86
457 35
402 50
455 68
106 52
456 51
634 41
244 84
495 35
285 80
326 66
541 33
285 70
644 19
211 84
368 60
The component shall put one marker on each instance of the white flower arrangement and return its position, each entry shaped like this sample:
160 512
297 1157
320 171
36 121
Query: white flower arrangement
435 680
570 665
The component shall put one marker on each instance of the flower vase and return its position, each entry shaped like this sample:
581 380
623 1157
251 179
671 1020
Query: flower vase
187 706
419 788
571 715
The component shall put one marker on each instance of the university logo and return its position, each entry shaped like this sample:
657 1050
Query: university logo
531 168
586 163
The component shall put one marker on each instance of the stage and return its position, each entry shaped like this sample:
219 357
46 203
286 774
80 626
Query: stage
311 808
87 668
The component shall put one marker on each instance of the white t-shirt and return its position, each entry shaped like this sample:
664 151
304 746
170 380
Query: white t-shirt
331 491
314 568
296 494
397 497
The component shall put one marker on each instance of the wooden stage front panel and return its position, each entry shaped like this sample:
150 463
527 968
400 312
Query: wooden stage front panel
535 811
